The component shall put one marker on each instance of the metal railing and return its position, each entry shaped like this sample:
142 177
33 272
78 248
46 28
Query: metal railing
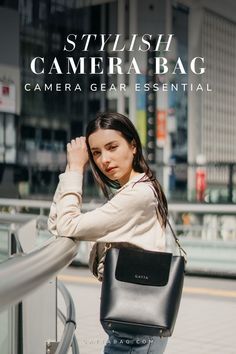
208 226
202 208
68 338
40 207
23 273
17 204
74 344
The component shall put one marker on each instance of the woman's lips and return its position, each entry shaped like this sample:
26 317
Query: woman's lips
110 169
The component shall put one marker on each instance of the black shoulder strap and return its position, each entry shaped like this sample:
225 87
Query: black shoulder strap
181 250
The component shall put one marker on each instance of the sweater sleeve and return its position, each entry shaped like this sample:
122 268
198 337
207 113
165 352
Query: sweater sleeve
114 221
52 218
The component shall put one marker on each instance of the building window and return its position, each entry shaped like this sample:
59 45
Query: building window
7 138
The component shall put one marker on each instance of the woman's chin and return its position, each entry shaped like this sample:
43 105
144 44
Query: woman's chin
113 178
113 175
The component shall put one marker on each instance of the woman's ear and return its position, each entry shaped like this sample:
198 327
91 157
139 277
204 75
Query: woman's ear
133 143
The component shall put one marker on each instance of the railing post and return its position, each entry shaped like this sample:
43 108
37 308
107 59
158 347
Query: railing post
230 185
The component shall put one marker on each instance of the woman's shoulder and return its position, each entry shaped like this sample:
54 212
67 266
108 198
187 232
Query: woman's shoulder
144 187
139 188
136 196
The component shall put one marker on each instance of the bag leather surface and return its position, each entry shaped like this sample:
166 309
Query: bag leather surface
141 291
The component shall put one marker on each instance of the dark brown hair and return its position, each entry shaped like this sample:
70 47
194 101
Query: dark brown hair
121 123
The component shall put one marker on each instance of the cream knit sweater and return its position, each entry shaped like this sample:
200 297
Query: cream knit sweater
128 218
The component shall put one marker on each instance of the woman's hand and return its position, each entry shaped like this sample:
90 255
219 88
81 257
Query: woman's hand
77 155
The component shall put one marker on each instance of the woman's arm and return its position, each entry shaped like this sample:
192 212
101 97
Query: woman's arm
112 222
77 158
52 218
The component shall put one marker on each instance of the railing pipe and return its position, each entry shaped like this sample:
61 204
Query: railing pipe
70 325
175 207
74 345
23 273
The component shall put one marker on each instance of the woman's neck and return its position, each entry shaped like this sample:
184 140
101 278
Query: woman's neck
125 179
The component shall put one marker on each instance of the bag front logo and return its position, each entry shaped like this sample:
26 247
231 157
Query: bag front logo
141 276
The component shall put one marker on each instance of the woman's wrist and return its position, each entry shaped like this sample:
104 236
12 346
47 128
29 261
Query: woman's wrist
79 169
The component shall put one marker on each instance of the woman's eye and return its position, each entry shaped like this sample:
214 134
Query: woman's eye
95 153
113 147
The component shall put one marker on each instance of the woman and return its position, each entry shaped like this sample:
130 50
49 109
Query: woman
130 217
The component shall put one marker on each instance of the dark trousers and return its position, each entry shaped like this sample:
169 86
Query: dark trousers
125 343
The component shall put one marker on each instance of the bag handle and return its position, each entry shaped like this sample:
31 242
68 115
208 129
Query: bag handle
181 250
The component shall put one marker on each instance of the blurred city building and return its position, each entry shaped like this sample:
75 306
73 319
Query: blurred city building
188 135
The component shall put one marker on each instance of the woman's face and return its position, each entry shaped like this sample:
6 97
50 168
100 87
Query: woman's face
112 154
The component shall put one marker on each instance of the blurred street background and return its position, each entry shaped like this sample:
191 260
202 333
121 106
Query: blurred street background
187 134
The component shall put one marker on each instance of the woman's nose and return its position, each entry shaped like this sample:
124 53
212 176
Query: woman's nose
105 158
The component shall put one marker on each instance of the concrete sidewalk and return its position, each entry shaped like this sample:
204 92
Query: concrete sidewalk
205 325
